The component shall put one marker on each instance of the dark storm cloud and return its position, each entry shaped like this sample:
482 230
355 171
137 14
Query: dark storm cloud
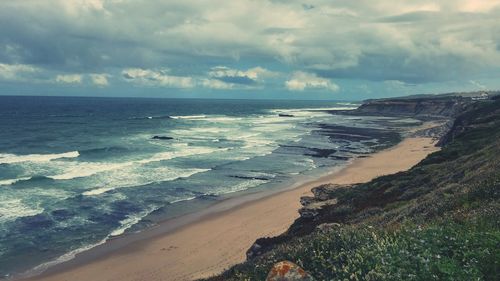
415 41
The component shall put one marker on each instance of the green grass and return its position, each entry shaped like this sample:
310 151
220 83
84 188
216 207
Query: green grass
439 251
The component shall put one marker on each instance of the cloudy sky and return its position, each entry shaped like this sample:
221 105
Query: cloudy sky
318 49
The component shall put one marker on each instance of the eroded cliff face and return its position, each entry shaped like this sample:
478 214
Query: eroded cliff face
420 108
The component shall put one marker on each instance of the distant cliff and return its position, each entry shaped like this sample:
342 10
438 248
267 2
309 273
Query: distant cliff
447 107
423 106
437 221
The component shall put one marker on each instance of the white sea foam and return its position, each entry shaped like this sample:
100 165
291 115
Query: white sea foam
210 118
201 132
87 169
134 179
244 185
13 158
12 209
130 221
187 151
183 199
189 117
306 162
222 119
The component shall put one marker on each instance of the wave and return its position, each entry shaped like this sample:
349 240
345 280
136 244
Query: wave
13 158
176 174
192 150
32 178
13 181
151 117
87 169
12 209
242 186
188 117
130 221
63 258
127 223
100 150
183 199
210 118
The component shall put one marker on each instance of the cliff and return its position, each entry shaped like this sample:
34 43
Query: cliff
437 221
422 106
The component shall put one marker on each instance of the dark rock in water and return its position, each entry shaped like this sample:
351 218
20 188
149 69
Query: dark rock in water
250 178
288 271
162 138
320 152
285 115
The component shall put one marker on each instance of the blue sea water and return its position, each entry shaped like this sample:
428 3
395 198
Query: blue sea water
77 171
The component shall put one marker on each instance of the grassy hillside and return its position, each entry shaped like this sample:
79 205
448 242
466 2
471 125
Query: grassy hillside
437 221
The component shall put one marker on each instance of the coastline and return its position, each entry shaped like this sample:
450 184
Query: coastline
214 240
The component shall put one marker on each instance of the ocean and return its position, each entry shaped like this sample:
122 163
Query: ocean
75 172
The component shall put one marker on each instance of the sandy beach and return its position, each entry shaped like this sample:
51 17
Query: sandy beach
217 241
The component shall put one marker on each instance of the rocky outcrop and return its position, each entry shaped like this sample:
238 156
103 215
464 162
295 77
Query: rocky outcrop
489 114
288 271
162 138
323 198
316 210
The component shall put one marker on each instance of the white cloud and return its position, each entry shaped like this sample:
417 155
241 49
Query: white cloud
222 77
100 80
301 81
255 73
216 84
69 78
15 71
159 77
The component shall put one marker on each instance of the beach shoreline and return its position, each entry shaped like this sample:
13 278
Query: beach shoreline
205 243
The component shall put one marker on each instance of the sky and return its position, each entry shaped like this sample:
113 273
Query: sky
276 49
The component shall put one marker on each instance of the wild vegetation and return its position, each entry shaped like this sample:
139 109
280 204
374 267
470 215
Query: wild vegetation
437 221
